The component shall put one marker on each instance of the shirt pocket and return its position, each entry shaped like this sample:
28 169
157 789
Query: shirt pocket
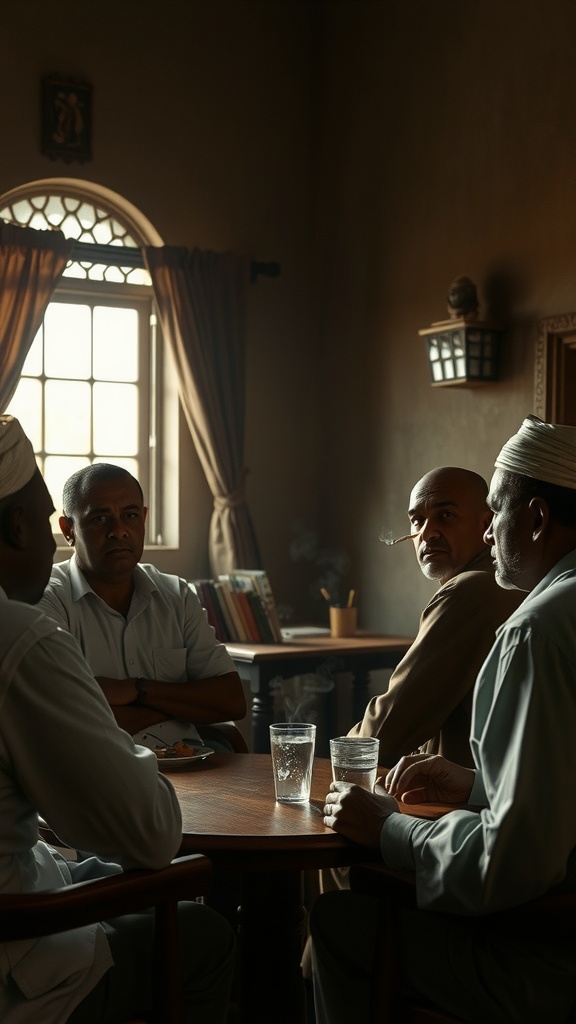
170 664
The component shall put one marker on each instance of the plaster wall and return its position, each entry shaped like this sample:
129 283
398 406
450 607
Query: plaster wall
448 148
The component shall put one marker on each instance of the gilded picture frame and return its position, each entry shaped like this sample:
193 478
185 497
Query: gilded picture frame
555 369
66 119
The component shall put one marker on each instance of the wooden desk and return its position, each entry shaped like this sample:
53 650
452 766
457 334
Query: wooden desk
230 814
259 664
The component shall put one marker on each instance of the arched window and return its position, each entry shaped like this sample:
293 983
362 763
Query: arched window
96 382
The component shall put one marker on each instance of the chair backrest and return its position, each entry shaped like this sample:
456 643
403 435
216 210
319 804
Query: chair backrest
32 915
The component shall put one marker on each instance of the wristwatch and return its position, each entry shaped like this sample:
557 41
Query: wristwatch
142 689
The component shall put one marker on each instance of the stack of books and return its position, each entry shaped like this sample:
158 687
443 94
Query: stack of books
241 607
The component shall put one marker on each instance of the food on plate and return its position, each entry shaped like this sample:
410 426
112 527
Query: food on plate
179 749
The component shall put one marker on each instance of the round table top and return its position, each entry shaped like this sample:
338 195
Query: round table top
229 812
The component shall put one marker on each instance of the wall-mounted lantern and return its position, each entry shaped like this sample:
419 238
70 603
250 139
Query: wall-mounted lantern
462 350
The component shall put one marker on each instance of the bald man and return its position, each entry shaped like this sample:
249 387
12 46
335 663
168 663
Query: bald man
428 703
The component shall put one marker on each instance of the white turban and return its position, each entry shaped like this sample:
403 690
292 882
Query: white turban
542 451
17 461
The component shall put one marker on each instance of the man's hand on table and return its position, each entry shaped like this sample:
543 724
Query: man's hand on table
357 813
425 778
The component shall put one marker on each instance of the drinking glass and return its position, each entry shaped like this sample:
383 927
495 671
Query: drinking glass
355 759
292 748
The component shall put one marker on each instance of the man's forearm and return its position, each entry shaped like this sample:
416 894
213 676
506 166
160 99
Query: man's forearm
201 701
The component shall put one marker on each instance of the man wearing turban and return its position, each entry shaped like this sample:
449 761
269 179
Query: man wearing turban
97 790
521 844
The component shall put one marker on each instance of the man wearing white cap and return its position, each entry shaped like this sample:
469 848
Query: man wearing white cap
63 756
522 844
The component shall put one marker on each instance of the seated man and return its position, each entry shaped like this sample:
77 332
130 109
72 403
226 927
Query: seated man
143 633
428 703
522 843
63 756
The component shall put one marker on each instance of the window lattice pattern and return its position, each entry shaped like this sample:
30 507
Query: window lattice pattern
84 221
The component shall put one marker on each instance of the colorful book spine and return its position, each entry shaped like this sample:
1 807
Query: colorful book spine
220 600
205 595
261 584
239 627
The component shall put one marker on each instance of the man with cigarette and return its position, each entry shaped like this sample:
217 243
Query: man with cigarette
521 843
428 703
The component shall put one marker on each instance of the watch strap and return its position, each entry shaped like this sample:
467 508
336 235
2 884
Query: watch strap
142 690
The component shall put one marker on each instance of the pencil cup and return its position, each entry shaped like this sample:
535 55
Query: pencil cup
343 621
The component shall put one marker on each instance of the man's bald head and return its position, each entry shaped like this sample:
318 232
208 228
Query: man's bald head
448 515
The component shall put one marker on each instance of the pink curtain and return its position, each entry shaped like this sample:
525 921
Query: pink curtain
31 264
201 298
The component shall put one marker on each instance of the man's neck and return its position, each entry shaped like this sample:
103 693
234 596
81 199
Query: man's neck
117 593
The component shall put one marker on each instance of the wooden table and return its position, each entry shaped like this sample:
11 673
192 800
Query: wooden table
230 814
259 664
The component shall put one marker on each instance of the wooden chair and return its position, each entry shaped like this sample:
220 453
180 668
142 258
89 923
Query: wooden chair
553 914
32 915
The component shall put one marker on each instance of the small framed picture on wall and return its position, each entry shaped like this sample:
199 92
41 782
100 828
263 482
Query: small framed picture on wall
66 119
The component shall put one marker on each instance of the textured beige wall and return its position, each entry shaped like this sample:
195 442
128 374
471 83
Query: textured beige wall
449 148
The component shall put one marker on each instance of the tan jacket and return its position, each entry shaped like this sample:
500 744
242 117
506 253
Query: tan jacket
428 703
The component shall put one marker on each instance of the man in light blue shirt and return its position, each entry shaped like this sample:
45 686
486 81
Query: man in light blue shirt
142 632
522 844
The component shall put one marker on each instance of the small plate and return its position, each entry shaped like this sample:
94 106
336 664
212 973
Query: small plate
176 763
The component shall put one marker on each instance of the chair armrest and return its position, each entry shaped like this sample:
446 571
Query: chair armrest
225 730
31 915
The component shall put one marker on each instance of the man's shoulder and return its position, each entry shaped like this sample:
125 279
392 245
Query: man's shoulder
19 619
165 582
58 593
473 579
59 577
550 610
477 586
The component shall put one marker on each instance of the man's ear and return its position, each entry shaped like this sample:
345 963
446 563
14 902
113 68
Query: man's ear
67 527
13 527
540 516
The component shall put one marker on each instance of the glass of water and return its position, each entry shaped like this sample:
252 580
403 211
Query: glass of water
355 759
292 749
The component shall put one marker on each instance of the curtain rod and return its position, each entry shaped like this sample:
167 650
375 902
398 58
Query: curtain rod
128 256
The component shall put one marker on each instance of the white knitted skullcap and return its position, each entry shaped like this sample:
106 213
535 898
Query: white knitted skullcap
17 462
542 451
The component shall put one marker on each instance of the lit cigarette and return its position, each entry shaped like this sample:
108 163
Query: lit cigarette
398 540
351 596
325 594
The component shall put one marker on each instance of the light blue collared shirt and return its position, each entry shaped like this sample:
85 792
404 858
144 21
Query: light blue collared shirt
523 727
165 636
